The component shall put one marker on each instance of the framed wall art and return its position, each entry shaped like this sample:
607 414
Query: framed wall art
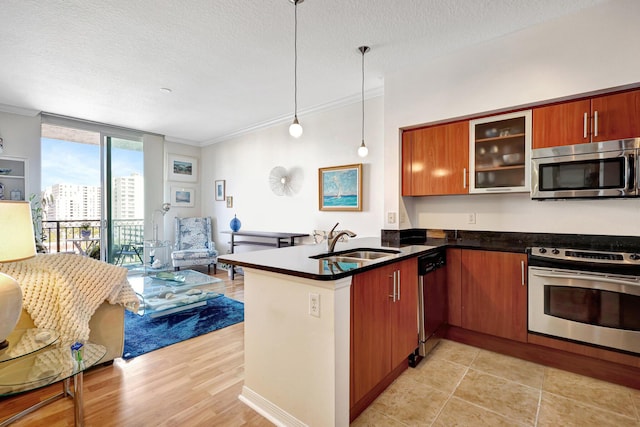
183 196
229 201
182 168
220 190
340 188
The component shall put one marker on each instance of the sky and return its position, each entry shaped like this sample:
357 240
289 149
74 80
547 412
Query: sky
66 162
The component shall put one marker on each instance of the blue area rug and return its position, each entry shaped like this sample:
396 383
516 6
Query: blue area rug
143 334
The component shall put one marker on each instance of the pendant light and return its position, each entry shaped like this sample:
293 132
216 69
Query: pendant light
295 130
363 150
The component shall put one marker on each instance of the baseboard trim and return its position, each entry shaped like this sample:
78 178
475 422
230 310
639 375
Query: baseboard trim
616 373
267 409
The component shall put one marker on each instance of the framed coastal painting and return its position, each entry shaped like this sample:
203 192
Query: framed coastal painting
340 188
182 168
183 196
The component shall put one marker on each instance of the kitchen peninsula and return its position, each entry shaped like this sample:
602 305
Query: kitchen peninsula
297 356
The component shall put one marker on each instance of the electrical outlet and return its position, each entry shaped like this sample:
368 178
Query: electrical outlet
314 305
391 217
472 218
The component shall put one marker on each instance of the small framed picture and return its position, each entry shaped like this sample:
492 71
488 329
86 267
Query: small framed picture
340 188
229 201
182 168
183 196
220 190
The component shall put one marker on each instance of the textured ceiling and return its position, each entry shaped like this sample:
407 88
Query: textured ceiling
228 63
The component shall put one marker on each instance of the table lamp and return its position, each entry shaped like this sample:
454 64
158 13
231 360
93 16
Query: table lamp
18 243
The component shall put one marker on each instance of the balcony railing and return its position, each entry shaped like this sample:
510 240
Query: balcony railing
63 235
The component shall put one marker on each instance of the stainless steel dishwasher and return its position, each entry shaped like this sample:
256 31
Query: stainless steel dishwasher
432 303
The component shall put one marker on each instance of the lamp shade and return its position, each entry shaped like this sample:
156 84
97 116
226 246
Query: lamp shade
16 228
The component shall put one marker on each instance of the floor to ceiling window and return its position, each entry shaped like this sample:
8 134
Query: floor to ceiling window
92 191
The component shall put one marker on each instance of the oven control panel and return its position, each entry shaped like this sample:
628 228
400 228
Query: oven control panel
578 255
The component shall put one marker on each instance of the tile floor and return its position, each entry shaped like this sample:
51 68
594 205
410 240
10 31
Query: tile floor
459 385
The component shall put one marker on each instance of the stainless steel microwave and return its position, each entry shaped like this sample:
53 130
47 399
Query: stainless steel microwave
602 169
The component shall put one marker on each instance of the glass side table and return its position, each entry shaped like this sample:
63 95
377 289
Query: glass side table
23 342
29 367
157 256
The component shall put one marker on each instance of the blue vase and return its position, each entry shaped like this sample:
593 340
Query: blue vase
235 224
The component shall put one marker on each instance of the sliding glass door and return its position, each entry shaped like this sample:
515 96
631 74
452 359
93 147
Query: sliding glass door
93 182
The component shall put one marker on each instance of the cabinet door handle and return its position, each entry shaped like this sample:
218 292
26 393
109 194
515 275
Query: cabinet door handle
393 297
584 132
595 123
399 281
522 271
464 178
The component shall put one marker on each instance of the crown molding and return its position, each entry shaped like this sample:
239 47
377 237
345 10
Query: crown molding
4 108
373 93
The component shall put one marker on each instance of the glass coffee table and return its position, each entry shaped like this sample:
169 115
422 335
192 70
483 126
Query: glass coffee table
35 358
165 293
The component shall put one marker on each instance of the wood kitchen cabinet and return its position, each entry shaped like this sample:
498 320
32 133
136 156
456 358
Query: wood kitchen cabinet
435 160
454 286
601 118
493 293
500 152
383 326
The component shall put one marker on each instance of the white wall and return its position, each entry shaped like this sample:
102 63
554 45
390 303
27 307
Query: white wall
331 138
585 52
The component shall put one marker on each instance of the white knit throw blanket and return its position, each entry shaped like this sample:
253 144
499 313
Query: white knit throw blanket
63 291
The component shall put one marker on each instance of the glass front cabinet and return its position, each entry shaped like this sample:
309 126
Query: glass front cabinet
500 153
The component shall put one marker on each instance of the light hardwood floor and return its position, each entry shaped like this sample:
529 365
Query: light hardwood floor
197 383
192 383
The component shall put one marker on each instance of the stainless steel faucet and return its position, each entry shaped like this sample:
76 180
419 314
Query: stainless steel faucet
332 238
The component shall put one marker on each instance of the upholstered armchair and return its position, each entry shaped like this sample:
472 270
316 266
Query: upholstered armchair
193 244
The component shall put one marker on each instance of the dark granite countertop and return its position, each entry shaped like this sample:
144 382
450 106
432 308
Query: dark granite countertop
512 241
297 261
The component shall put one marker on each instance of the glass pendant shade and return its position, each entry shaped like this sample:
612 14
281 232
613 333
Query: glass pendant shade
295 130
363 150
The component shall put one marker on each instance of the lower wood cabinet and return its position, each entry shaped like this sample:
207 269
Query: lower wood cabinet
383 324
488 293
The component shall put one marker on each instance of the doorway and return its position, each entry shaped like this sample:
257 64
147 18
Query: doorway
92 180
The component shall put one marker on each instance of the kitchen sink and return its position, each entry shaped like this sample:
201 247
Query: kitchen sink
367 254
364 254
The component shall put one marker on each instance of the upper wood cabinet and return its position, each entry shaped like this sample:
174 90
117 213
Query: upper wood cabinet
601 118
435 160
500 153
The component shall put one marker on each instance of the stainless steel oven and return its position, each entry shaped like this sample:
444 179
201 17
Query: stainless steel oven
591 297
604 169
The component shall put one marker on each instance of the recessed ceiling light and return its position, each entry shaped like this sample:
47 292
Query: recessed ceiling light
166 90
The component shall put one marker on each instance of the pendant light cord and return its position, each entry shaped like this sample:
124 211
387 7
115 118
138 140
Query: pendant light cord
295 60
363 52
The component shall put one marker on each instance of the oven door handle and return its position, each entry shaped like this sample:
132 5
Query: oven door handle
630 287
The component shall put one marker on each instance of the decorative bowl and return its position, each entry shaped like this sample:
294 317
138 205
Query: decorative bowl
512 159
491 133
5 171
